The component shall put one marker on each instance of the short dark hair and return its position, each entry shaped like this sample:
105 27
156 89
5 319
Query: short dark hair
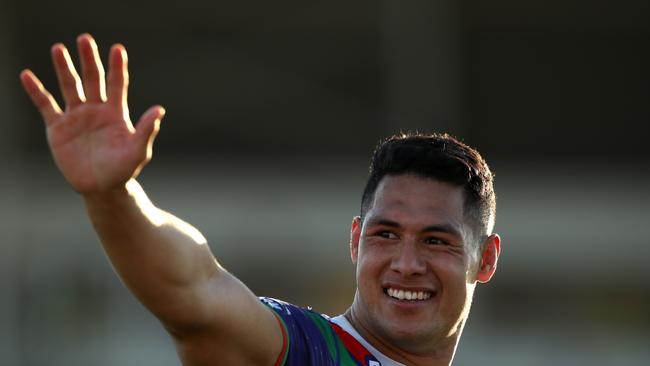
440 157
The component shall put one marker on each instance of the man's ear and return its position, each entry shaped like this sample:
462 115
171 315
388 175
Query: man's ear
491 249
355 233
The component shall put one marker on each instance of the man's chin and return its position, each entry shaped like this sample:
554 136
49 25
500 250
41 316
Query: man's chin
413 340
410 329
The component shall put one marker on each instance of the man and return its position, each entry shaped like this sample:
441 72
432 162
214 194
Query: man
422 242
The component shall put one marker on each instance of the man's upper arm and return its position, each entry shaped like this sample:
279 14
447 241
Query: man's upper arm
224 323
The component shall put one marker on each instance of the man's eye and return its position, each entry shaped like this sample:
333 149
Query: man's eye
387 235
434 241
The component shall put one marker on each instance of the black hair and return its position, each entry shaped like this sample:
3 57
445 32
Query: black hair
440 157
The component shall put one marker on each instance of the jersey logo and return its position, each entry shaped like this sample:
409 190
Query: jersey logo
373 363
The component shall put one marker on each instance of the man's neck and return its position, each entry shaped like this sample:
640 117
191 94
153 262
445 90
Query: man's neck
439 354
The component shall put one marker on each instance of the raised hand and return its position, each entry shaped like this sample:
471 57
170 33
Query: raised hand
93 141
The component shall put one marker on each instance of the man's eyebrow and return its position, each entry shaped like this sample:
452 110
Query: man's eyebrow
437 228
383 222
444 228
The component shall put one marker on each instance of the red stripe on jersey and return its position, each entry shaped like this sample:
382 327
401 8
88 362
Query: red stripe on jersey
356 349
283 352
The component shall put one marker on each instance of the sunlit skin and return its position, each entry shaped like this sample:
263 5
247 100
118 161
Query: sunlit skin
416 237
413 237
93 141
212 317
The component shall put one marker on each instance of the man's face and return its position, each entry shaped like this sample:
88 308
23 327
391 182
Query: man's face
416 262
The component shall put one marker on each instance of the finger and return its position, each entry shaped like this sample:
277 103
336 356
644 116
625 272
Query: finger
69 81
91 69
41 97
148 127
118 75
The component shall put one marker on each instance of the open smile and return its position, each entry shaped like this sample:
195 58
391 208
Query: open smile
408 295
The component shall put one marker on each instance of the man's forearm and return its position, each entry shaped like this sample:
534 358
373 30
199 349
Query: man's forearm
161 258
165 262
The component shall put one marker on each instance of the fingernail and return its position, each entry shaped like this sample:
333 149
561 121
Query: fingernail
56 46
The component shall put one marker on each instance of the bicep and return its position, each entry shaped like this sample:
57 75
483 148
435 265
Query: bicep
223 322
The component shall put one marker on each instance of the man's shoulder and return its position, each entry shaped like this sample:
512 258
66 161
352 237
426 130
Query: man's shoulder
280 305
314 339
303 317
283 306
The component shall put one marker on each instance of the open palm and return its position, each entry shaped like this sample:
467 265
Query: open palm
93 142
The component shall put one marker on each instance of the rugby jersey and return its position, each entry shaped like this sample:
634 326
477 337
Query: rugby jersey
313 339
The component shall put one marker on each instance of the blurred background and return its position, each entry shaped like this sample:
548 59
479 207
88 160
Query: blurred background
273 110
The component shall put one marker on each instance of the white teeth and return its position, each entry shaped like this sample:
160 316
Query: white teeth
408 295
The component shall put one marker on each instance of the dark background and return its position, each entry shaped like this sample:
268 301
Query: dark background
273 110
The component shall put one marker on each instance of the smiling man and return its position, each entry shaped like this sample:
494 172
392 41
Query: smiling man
422 242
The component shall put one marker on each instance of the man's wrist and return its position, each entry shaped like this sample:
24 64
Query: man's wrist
112 196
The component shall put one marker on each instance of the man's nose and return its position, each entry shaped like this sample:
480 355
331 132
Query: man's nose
406 260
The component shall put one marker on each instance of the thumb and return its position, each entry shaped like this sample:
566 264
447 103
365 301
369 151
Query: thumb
147 128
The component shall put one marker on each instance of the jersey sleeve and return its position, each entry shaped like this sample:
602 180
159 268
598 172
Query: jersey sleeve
310 340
